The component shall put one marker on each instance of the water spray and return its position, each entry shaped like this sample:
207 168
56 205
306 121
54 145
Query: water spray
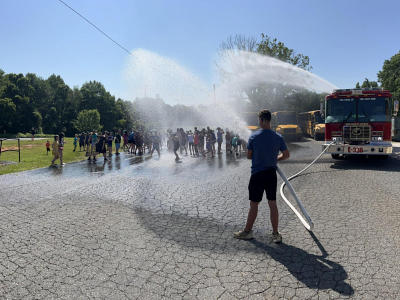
307 222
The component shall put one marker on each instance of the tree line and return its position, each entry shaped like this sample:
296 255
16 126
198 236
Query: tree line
50 106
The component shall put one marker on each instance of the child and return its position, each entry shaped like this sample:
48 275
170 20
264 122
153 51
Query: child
196 142
208 144
75 142
61 143
101 145
220 132
82 142
228 142
176 146
125 146
110 139
213 140
48 147
87 143
191 142
55 152
117 142
235 144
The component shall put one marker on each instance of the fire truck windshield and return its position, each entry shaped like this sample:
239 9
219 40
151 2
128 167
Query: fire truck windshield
341 110
373 109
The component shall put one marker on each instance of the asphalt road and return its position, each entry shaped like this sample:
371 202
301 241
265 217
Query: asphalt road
151 228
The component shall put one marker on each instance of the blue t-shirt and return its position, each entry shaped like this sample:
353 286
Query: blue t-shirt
265 145
219 136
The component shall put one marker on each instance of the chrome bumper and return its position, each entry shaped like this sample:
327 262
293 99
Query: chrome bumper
371 149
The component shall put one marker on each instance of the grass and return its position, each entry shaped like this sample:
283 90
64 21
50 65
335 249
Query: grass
33 155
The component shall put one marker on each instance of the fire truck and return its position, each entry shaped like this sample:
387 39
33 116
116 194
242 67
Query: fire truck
358 122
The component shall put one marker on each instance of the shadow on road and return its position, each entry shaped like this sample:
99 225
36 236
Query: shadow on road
316 272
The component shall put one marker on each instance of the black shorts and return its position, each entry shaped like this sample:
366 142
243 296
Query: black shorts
263 181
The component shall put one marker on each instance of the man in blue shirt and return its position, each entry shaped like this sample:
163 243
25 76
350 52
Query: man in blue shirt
263 149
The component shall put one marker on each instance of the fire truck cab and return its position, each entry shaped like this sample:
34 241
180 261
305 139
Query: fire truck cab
358 122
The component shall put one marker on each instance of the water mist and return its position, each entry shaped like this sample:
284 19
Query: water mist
237 71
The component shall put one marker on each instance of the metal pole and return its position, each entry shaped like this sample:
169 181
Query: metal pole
215 99
19 152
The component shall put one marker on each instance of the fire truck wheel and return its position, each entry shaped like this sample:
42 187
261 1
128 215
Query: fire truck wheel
335 156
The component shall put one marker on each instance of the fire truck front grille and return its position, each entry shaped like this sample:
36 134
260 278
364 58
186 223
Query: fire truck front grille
356 133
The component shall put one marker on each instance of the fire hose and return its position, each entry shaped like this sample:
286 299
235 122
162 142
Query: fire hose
307 222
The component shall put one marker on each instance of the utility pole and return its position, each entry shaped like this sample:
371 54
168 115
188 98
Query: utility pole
215 99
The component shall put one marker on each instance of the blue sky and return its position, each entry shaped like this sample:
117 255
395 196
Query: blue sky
347 40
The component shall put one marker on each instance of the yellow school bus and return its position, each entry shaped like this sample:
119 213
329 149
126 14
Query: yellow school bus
252 128
285 123
312 124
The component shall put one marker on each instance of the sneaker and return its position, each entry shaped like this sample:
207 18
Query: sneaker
276 237
243 235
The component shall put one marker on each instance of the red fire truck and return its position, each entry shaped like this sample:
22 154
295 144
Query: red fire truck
358 121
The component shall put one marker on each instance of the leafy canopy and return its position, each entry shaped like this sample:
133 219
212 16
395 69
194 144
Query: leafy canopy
389 76
88 120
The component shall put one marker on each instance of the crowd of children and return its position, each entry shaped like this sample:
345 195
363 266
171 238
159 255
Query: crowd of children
197 143
201 142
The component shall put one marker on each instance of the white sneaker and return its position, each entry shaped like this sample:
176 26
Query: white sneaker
243 235
276 237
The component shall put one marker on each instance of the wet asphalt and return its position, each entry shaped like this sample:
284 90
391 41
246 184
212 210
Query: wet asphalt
152 228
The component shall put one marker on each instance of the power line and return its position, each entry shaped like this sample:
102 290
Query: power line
97 28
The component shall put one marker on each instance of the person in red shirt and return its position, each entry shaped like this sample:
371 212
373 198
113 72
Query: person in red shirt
48 147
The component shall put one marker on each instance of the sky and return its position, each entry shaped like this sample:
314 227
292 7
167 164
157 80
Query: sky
346 40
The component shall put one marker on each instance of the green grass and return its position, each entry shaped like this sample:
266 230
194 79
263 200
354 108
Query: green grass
33 155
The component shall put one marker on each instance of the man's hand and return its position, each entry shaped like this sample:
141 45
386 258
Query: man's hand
284 155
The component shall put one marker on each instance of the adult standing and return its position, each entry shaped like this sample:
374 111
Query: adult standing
263 149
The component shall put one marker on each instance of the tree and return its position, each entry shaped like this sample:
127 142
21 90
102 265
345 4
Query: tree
7 114
268 95
95 96
389 76
88 120
239 42
28 101
274 48
367 84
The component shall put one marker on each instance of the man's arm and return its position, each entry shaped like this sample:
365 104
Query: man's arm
249 154
282 156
